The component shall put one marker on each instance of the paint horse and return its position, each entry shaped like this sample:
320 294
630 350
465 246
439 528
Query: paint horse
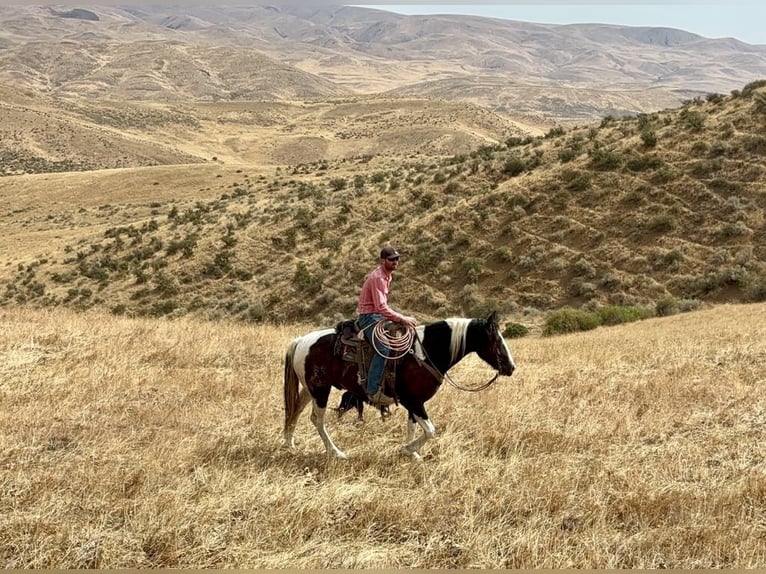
312 370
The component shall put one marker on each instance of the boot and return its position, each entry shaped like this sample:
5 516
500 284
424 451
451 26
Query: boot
379 399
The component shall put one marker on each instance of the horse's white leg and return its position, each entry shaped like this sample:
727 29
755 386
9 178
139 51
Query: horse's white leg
304 397
317 417
411 426
413 447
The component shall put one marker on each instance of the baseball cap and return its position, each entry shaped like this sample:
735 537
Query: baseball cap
388 251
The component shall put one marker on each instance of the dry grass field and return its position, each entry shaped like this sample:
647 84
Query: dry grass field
181 197
155 443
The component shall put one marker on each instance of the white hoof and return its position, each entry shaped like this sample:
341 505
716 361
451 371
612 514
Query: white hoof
414 455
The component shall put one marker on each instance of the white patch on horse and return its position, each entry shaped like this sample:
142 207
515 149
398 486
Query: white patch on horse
302 349
507 349
419 351
459 327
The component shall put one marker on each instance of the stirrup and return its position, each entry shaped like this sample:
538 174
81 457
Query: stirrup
379 399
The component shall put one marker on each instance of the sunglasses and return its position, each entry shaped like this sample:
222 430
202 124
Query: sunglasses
393 259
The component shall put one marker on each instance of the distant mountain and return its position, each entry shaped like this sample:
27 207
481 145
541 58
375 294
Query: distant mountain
546 73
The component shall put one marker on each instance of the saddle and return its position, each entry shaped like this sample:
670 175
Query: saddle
351 346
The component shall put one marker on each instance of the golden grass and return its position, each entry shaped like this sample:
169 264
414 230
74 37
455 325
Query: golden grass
141 443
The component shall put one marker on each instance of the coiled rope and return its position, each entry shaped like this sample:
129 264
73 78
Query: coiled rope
399 343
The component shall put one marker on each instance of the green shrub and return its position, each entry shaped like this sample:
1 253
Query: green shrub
338 183
667 306
757 291
568 320
513 166
616 314
439 177
661 223
644 162
755 144
605 160
576 180
555 132
649 137
692 120
515 331
748 90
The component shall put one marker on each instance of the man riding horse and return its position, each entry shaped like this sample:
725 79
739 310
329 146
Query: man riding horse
373 308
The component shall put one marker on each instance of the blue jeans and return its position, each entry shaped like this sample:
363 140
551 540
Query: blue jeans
378 363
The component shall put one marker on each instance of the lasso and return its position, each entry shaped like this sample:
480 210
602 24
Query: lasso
399 343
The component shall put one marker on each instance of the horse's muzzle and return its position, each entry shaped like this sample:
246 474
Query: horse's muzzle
507 370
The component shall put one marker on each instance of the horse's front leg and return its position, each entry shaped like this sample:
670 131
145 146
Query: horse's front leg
413 446
318 418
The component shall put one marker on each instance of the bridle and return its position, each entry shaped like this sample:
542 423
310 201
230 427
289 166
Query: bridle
445 376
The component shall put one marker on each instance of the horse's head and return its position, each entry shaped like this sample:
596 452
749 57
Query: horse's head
496 352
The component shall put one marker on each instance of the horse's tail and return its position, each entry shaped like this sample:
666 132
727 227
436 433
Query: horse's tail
291 386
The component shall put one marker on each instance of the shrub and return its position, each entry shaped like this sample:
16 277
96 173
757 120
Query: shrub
338 183
692 120
649 137
757 291
555 132
755 144
605 160
515 141
568 320
661 223
576 180
515 331
667 306
439 177
513 167
644 162
378 177
748 90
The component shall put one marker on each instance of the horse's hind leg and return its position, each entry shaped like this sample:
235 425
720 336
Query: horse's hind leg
318 418
304 397
412 448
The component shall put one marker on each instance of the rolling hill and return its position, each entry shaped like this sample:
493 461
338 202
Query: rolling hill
540 73
663 210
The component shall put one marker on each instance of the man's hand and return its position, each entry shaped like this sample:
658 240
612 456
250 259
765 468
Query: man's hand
410 322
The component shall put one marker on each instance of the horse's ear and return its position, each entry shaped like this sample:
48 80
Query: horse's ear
492 319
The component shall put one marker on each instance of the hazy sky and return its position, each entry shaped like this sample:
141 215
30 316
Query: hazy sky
741 19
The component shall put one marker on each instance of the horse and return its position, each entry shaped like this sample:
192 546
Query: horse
311 370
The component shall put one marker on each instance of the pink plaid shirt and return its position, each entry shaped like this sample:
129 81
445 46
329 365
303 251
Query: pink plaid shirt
374 295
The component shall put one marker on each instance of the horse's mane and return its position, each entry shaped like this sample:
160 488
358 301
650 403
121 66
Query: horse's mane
459 327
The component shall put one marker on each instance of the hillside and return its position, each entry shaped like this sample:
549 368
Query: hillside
664 210
42 134
534 73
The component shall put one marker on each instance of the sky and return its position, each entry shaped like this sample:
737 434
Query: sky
741 19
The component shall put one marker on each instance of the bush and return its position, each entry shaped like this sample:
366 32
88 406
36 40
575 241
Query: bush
576 180
569 320
667 306
513 167
338 183
616 315
649 137
515 331
605 160
661 223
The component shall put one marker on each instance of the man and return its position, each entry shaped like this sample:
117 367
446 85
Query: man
373 307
